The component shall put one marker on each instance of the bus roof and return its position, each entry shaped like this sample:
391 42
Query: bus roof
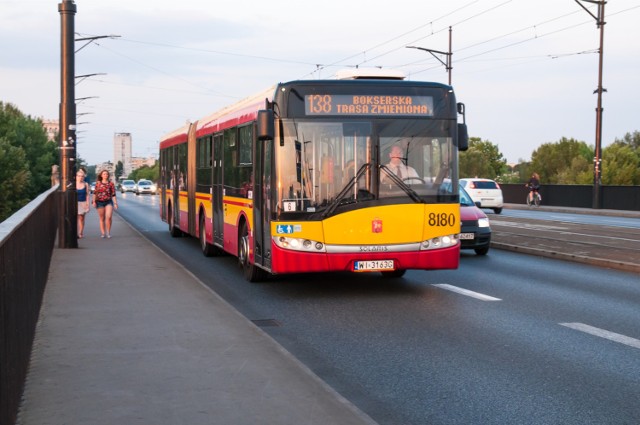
230 116
176 136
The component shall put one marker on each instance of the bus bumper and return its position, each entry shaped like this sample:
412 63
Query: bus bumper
287 261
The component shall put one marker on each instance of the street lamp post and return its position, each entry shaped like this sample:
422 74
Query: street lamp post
597 159
67 196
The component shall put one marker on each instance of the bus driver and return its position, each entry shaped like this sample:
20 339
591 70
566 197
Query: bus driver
397 166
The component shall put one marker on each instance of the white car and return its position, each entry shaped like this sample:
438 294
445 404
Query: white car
146 186
128 186
485 191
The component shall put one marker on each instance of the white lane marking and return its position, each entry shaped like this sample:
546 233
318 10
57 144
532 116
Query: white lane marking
612 336
526 225
466 292
615 238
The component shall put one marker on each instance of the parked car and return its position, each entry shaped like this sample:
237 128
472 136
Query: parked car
127 186
485 191
475 232
146 186
93 187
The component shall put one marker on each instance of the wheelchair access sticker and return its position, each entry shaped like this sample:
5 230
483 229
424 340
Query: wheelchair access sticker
287 229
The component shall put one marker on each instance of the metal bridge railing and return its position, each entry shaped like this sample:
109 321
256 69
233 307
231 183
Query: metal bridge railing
26 244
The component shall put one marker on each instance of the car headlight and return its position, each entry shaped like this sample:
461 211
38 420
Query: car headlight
483 222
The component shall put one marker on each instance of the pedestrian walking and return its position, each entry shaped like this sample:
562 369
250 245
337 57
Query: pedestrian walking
84 193
104 200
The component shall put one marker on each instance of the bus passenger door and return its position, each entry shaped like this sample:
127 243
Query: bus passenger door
163 183
173 186
261 203
217 192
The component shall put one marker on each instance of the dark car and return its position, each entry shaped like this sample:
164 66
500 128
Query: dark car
475 232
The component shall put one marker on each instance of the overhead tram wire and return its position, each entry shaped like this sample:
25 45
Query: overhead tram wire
421 38
446 28
218 52
473 45
163 72
537 36
430 23
499 37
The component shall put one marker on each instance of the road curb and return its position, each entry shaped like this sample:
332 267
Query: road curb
618 265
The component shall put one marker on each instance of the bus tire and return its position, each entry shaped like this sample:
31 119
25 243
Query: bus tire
251 272
394 274
173 230
207 249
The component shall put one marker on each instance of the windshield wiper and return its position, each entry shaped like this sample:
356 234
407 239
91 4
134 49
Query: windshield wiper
398 181
345 190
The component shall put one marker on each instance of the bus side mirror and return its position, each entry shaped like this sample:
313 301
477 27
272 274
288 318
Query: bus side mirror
265 124
463 137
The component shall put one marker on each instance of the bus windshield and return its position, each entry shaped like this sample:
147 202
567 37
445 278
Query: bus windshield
323 163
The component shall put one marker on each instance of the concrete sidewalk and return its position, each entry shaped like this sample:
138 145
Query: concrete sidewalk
128 336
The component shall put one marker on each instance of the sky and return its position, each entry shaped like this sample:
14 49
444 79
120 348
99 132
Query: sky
525 69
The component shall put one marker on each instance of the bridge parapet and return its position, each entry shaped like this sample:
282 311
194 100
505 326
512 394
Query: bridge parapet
26 245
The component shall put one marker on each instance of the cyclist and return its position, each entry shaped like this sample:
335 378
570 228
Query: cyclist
534 186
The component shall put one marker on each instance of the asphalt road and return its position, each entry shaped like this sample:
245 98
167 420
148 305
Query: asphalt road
603 238
506 338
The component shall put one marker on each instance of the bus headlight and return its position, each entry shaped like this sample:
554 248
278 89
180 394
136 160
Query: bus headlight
439 242
298 244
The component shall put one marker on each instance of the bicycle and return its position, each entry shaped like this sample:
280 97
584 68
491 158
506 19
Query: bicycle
535 199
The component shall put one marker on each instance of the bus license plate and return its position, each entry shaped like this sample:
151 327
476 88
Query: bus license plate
466 236
373 265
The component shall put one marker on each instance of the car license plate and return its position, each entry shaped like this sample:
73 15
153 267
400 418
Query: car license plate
373 265
466 236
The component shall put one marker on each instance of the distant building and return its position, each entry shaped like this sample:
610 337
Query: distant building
137 162
51 127
106 166
122 145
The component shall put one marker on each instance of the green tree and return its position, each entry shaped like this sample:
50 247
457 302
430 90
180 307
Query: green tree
14 179
147 173
553 160
26 157
28 134
621 164
631 139
482 159
118 172
579 171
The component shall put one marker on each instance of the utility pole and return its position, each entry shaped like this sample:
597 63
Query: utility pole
597 159
67 196
448 64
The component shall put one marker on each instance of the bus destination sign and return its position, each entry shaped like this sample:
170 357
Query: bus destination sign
343 104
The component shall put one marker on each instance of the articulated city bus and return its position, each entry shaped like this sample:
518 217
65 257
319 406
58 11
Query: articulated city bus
305 178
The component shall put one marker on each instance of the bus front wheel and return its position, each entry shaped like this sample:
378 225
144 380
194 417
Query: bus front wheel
207 249
251 272
173 230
